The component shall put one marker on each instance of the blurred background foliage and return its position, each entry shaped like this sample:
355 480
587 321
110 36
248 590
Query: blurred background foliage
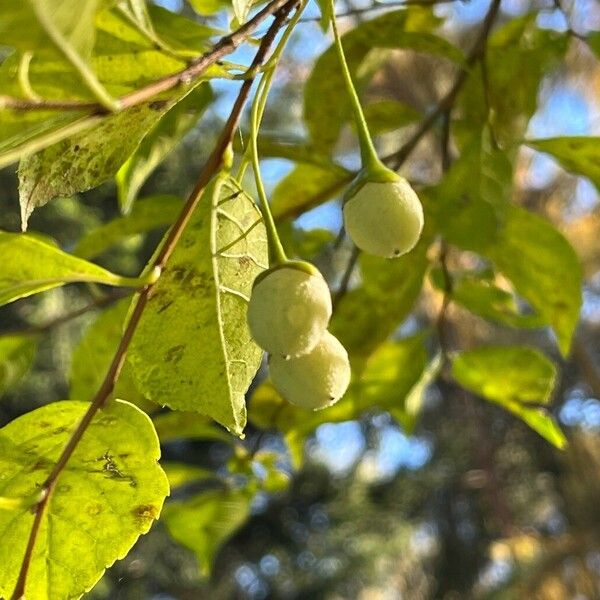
436 493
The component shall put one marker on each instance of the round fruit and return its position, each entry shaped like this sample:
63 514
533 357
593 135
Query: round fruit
289 309
314 380
384 218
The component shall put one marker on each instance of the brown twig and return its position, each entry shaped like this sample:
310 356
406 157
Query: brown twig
211 167
100 302
226 45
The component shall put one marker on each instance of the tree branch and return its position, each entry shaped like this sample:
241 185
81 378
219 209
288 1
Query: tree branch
212 166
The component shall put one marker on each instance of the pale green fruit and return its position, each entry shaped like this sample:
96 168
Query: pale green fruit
289 309
314 380
384 218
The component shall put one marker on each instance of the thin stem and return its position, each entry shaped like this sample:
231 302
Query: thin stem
257 111
212 166
268 71
368 154
275 246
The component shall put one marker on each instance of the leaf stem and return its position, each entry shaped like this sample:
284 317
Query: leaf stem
211 167
368 154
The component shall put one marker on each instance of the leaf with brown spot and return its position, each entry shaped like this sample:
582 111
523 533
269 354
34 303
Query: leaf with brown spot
110 492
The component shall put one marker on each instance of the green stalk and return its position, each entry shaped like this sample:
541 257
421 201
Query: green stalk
275 245
256 114
268 71
371 164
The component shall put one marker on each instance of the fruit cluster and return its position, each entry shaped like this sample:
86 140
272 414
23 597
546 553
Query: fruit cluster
288 314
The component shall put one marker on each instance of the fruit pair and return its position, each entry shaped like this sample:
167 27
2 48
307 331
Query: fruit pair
288 314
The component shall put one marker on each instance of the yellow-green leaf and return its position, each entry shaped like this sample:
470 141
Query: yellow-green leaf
110 493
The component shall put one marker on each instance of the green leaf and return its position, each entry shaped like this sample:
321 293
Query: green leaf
31 23
110 493
94 353
178 425
593 41
468 205
369 314
240 9
16 357
395 377
158 143
326 8
407 415
326 105
180 474
513 377
502 373
544 269
185 35
518 51
208 7
206 521
192 349
31 265
482 297
84 161
389 115
578 154
305 187
146 215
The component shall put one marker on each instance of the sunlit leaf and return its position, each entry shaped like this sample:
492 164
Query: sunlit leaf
367 315
513 377
482 297
31 265
110 493
544 269
192 350
578 154
93 354
84 161
502 373
178 425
